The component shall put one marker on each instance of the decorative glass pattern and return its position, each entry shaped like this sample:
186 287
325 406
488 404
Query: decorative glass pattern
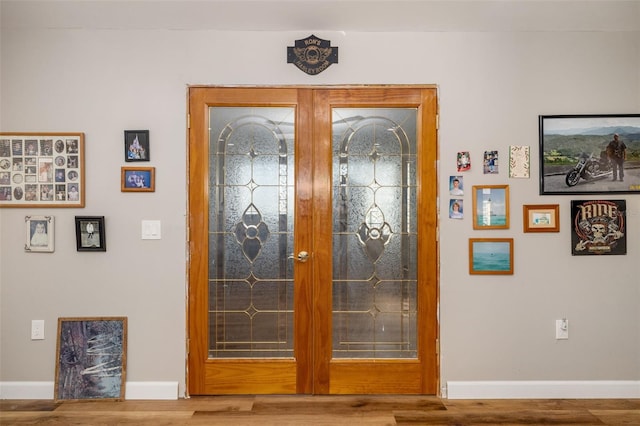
251 232
374 233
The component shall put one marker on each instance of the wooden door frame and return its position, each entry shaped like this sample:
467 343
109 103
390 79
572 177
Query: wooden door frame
310 198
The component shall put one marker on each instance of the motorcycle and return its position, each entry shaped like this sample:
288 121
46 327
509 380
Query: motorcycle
589 168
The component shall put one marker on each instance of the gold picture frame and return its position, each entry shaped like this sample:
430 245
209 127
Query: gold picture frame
541 217
491 256
91 359
42 170
490 206
138 179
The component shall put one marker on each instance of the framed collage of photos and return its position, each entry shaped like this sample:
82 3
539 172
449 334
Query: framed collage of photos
42 170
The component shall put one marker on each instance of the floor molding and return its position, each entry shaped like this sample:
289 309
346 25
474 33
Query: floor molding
543 389
133 390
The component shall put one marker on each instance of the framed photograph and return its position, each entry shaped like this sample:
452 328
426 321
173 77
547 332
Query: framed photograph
490 206
90 233
599 227
589 154
138 179
40 234
456 209
42 170
491 256
456 185
541 217
136 145
91 357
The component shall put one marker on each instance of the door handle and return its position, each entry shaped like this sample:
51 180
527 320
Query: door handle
303 256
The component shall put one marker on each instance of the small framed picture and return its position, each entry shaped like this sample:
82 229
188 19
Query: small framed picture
40 234
138 179
456 209
491 207
541 217
491 256
490 165
91 359
90 233
136 145
463 161
456 186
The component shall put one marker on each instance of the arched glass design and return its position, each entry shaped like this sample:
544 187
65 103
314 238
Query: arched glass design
251 232
374 232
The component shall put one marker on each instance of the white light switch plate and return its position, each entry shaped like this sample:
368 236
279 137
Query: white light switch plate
151 230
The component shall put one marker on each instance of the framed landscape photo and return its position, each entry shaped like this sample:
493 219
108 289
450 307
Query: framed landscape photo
42 170
589 154
90 233
40 234
136 145
491 256
541 217
138 179
91 358
599 227
490 206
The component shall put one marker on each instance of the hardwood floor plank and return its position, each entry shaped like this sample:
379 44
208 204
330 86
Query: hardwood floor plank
27 405
618 417
349 404
293 419
208 403
504 417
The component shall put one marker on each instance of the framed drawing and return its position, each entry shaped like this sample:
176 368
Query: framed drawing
491 256
40 234
138 179
42 170
490 206
589 154
519 162
90 233
136 145
91 356
598 227
541 217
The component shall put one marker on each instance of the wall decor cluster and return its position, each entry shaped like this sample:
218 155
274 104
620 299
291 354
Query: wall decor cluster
40 234
589 154
42 170
91 356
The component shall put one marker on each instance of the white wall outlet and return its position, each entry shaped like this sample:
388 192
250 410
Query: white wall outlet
37 329
562 329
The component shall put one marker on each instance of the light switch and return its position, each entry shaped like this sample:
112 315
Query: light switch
151 230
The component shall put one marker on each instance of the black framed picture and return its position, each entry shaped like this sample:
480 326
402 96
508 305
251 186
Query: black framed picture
136 145
589 154
90 233
598 227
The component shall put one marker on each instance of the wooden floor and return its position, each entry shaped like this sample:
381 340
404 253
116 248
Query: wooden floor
323 410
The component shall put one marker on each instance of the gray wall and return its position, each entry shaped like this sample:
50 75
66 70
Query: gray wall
62 71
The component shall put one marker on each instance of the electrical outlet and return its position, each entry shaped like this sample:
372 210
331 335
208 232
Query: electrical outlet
562 329
37 329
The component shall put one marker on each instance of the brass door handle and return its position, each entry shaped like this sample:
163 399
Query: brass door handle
303 256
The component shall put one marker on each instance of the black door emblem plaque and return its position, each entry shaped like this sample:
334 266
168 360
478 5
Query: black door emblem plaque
312 55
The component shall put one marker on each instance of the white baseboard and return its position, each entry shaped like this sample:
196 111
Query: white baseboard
44 390
544 389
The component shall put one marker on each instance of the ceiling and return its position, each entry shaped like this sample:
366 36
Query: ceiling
326 15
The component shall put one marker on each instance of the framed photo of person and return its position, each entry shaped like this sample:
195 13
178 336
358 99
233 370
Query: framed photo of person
91 359
491 256
541 217
40 234
136 145
589 154
90 233
490 206
42 170
138 179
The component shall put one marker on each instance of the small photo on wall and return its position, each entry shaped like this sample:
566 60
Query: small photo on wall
136 145
456 209
490 162
456 186
463 161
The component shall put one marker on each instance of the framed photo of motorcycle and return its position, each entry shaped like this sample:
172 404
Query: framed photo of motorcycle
589 154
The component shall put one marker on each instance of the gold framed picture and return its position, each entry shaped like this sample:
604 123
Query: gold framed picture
541 217
138 179
490 206
491 256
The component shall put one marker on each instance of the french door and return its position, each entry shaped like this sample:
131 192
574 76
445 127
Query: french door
312 240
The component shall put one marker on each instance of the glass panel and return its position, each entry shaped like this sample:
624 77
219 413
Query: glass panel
251 232
374 233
